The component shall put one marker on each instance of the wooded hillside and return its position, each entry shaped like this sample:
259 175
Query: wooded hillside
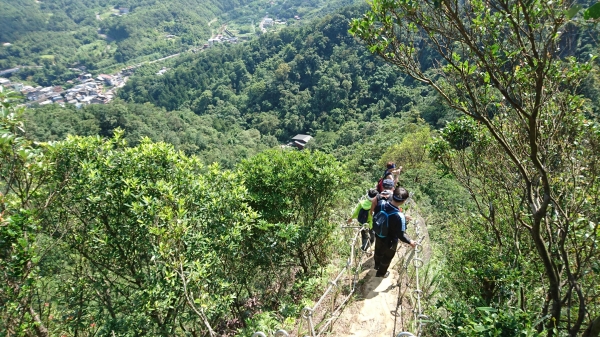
175 210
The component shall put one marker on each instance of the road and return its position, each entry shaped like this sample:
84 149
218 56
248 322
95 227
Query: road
158 60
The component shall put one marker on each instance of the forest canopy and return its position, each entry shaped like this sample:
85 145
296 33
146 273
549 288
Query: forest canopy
178 210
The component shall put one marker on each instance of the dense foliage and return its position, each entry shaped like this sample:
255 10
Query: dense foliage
295 190
229 103
48 37
208 137
525 150
52 30
295 81
130 228
99 238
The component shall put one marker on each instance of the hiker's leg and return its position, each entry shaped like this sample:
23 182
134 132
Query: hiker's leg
380 249
365 238
386 259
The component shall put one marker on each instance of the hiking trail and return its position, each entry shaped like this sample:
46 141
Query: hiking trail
358 304
372 310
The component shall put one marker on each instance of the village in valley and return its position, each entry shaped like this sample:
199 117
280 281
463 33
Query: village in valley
84 90
88 89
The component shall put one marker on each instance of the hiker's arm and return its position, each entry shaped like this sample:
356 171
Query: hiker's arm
373 204
355 214
396 175
406 239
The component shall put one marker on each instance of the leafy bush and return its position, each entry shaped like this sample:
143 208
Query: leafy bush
461 320
294 192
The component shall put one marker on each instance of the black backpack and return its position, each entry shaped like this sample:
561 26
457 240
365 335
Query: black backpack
381 221
363 216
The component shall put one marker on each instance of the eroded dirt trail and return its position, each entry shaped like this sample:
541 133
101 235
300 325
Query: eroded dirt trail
373 311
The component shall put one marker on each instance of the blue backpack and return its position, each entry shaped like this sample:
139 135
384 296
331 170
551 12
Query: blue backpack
380 220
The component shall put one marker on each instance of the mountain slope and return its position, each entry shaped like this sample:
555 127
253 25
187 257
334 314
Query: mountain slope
101 34
295 81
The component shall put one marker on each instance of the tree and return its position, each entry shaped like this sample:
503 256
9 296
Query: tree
294 191
500 65
23 172
158 235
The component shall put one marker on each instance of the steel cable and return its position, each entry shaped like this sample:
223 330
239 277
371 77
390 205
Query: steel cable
355 261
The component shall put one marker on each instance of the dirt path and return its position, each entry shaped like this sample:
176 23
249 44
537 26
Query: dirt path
372 313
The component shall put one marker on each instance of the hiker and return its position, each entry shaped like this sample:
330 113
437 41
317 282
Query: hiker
389 225
388 189
391 172
362 213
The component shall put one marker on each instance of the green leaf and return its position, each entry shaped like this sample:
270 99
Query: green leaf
494 48
573 11
593 12
489 309
479 328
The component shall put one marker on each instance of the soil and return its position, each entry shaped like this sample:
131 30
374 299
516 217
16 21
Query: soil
375 312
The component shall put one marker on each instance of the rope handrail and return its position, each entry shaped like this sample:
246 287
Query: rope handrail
411 257
419 319
308 312
317 328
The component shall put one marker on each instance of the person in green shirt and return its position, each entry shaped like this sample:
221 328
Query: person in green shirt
362 213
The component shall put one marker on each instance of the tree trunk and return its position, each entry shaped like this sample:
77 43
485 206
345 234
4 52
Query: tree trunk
594 329
40 329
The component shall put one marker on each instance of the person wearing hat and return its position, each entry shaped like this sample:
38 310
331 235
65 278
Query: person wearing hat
362 213
391 170
385 247
388 190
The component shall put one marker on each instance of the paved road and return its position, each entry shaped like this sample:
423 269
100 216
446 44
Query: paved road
164 58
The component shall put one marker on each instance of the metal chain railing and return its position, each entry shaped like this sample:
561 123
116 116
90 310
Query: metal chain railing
318 326
419 319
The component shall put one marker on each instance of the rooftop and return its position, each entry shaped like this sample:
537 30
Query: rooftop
302 138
